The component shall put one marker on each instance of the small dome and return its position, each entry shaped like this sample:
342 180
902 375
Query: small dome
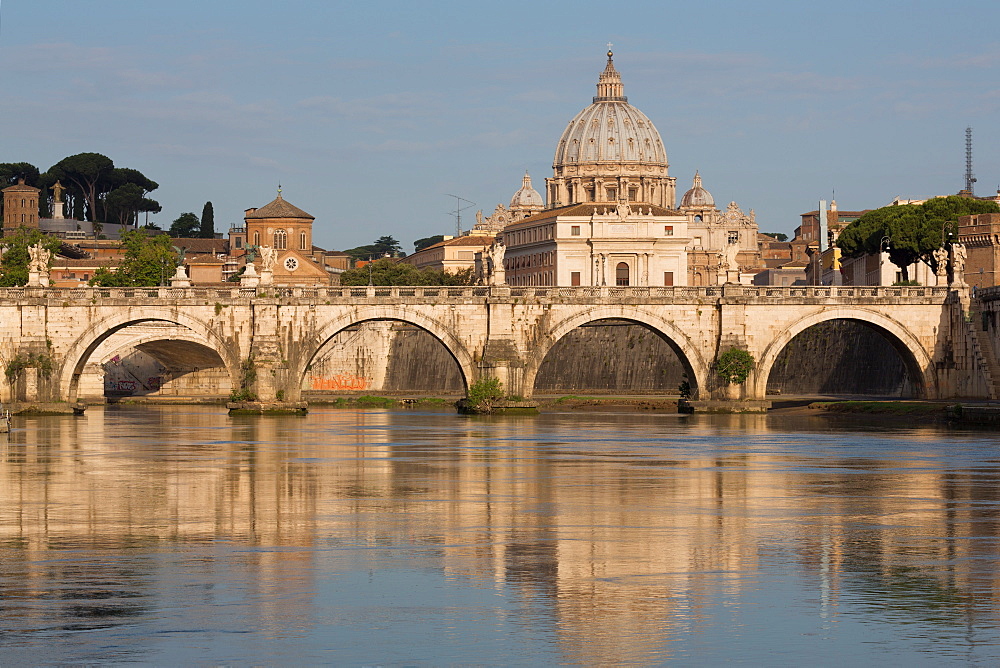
697 197
526 196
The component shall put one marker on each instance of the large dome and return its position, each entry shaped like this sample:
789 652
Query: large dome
610 151
610 129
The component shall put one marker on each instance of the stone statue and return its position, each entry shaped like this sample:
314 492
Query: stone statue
958 264
57 191
40 257
623 209
732 250
268 256
941 259
180 278
495 270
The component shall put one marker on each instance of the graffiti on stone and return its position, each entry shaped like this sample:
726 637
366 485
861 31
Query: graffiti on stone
339 382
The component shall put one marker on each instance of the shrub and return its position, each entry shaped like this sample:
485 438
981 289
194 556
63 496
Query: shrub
484 395
248 376
734 366
17 365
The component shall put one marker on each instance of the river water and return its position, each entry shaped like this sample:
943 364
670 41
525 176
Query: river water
181 535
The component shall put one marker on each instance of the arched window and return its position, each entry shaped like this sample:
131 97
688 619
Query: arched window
302 241
280 240
256 238
621 274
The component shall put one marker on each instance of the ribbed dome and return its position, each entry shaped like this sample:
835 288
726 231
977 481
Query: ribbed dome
526 196
697 197
610 130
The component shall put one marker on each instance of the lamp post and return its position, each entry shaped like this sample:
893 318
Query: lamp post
948 231
884 245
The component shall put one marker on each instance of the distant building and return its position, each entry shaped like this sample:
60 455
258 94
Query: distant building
712 230
980 234
287 229
20 207
452 255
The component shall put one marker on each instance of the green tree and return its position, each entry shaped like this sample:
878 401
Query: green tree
421 244
384 246
185 225
123 204
388 271
89 174
148 261
909 232
778 236
14 265
734 366
208 221
10 172
123 196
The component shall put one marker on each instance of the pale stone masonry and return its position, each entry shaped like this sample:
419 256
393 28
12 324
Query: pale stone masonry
503 332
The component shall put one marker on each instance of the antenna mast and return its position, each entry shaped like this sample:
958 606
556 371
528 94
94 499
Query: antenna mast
970 180
458 212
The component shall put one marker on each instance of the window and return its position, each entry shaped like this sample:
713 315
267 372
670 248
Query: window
574 278
612 194
280 240
621 274
668 278
256 238
633 194
302 241
668 230
574 231
697 241
734 237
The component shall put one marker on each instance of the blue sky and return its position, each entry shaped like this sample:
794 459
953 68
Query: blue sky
370 113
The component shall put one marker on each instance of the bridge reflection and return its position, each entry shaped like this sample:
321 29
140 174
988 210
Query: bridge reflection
616 533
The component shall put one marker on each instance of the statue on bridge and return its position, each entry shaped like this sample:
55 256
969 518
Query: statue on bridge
38 265
958 255
495 273
941 262
729 267
268 258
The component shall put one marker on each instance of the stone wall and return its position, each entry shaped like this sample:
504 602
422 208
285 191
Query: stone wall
383 357
840 357
610 357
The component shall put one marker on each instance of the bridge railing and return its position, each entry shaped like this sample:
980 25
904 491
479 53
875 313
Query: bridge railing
498 292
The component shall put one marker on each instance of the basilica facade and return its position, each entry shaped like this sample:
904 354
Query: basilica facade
611 218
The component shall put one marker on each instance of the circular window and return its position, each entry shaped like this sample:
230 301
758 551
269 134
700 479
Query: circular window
291 264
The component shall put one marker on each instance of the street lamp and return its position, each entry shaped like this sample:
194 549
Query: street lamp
884 246
948 230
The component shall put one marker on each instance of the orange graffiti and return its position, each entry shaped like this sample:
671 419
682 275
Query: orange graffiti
341 381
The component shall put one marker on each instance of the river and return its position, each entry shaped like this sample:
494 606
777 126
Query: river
181 535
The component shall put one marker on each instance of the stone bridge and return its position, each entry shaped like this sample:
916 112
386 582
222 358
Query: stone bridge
48 336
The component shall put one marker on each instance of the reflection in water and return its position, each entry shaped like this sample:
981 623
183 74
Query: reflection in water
391 537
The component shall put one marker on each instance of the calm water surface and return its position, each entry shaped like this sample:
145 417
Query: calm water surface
182 535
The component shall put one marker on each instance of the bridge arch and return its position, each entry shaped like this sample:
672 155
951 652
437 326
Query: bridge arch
687 352
915 358
401 313
80 351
